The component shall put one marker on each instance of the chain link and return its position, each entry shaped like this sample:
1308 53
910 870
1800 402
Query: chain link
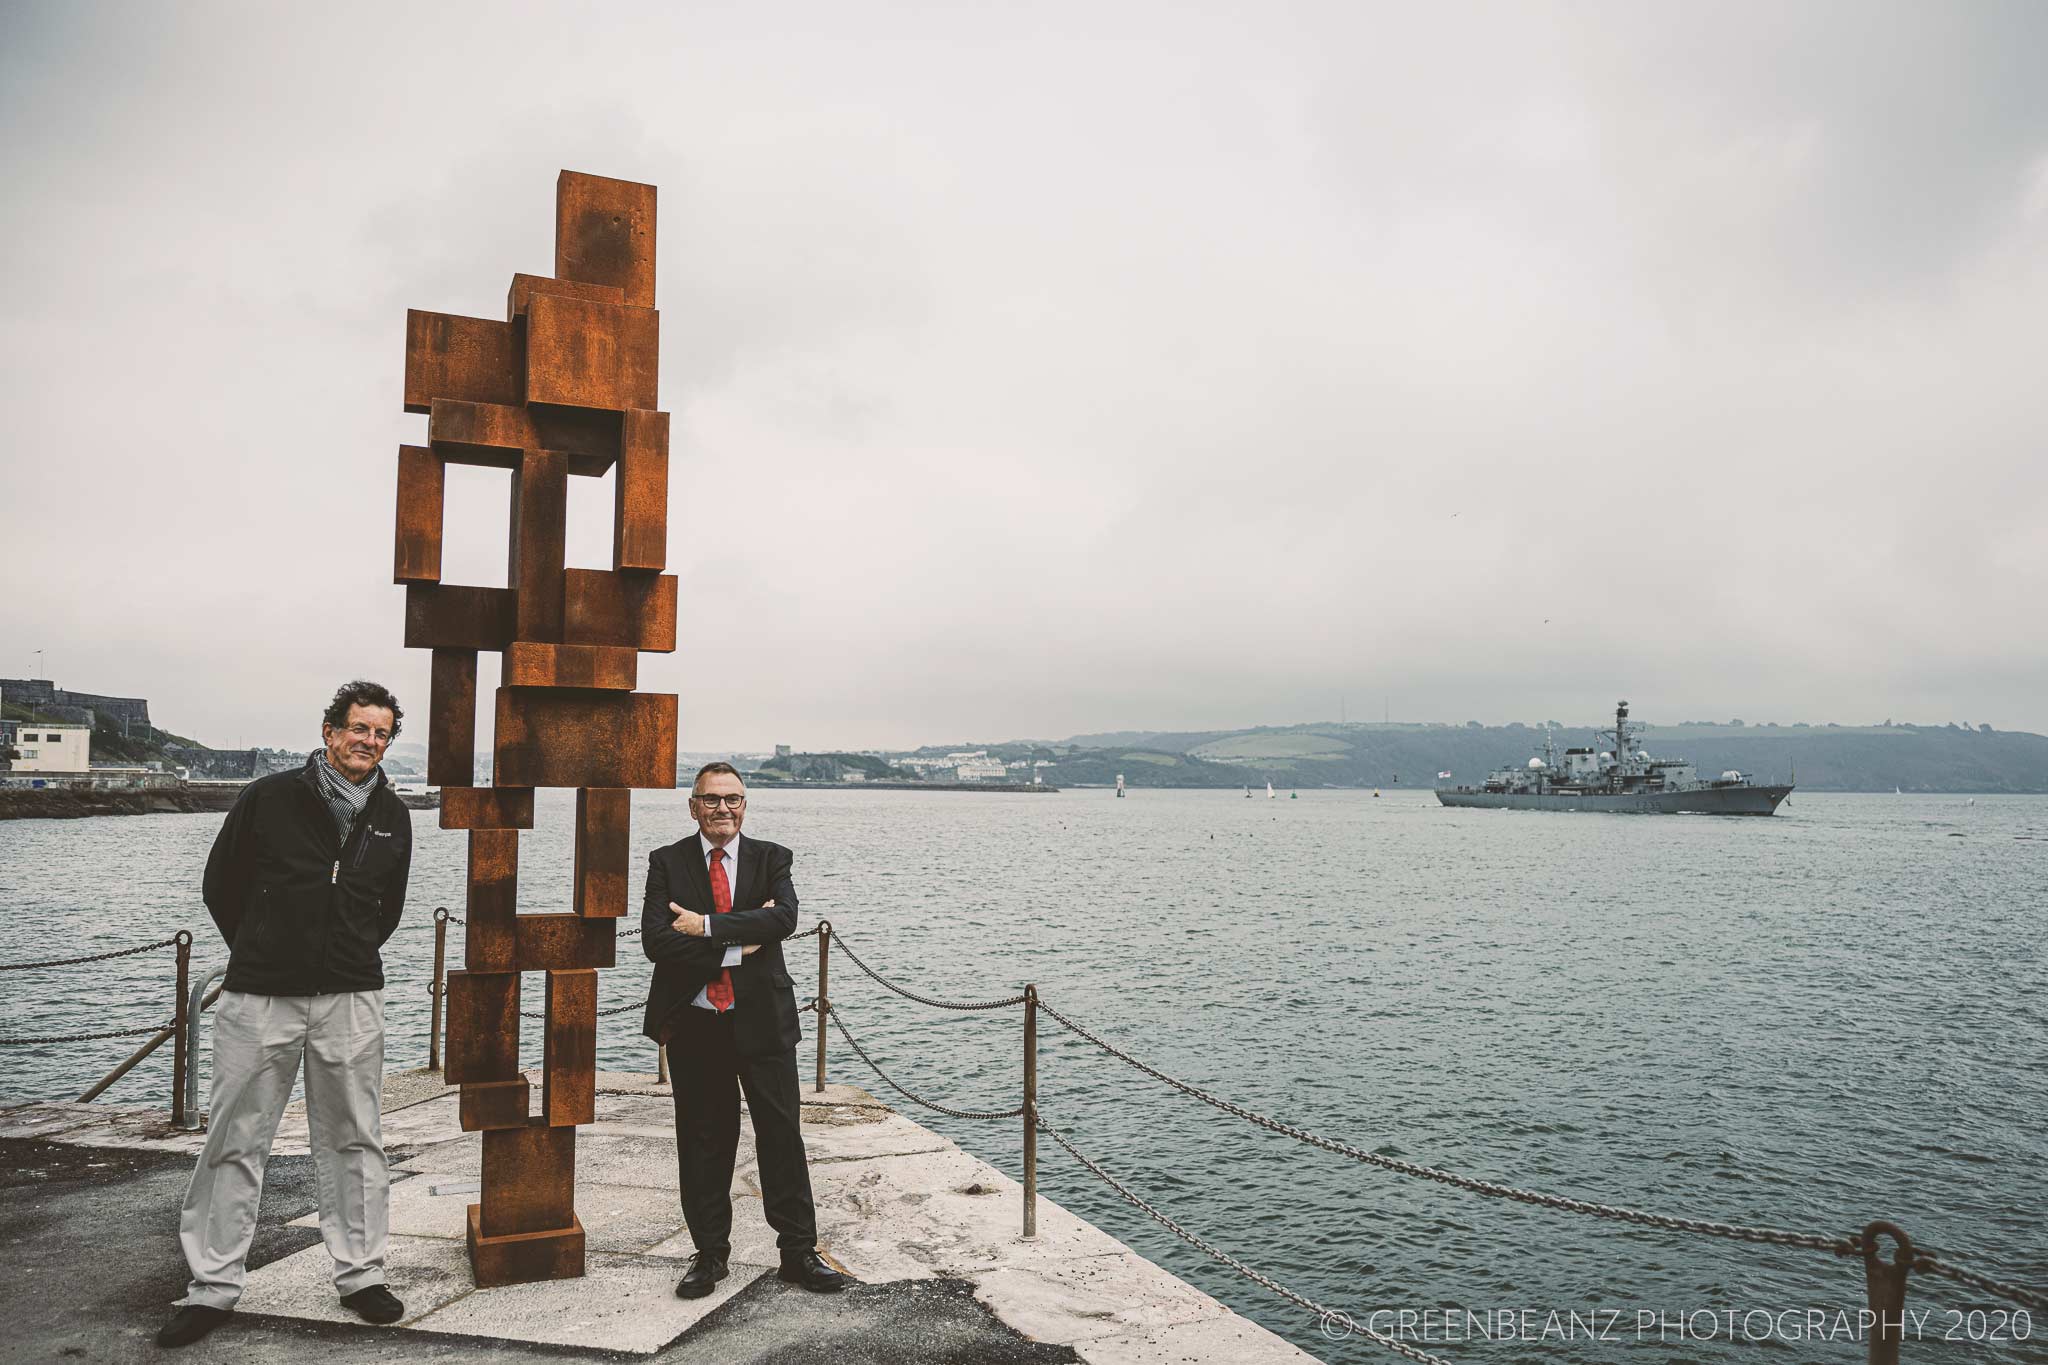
96 957
89 1037
832 1012
1927 1263
1327 1318
617 1009
812 932
840 943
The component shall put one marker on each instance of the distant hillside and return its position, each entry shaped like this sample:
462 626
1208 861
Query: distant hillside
1914 758
120 739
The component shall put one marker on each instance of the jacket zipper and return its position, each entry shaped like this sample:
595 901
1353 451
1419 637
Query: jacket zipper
334 876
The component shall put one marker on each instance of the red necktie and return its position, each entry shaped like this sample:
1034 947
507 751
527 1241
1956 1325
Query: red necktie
719 992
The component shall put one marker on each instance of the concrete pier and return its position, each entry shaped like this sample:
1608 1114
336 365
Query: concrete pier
930 1233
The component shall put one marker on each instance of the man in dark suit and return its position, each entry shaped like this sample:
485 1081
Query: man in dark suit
716 912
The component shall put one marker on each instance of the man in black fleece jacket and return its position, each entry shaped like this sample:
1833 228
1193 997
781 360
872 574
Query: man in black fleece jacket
306 882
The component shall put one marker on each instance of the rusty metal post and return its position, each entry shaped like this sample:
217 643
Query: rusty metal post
824 972
179 1061
436 988
1030 1111
1884 1288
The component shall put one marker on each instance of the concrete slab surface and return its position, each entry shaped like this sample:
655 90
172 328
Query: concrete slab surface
931 1235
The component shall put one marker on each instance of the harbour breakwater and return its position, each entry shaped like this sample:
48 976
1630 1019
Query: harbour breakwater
76 803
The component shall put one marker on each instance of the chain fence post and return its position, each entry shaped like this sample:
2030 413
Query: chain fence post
1030 1111
1884 1288
179 1061
435 988
824 971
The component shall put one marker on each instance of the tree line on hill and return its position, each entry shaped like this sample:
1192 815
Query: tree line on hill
1904 757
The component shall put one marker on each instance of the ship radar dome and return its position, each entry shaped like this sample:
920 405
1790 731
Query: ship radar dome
1535 764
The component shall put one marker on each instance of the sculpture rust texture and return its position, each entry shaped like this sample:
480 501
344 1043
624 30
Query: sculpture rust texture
563 387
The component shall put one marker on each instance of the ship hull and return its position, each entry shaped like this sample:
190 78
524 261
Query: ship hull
1699 801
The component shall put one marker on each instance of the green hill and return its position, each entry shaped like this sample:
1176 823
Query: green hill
1914 758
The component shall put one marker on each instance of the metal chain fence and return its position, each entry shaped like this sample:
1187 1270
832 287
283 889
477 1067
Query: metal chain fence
94 957
832 1012
1852 1245
839 942
1328 1318
89 1037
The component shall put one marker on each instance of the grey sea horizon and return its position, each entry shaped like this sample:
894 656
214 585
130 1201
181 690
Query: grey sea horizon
1810 1021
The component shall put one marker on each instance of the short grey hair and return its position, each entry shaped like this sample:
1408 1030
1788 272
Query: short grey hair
720 766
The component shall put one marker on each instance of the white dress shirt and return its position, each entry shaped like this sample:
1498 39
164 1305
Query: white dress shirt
734 952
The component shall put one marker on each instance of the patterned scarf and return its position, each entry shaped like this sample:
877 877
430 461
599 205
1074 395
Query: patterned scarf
344 798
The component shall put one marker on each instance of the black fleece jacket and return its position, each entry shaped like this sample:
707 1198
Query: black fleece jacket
303 910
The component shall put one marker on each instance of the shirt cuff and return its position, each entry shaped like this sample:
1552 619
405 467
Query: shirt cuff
733 954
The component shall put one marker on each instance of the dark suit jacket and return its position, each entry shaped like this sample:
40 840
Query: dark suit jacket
764 999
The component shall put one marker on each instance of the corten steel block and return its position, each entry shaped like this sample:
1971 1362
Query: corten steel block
604 234
495 1104
486 808
585 354
489 942
604 854
474 359
560 943
451 719
539 537
629 609
449 616
483 1027
418 554
529 1179
568 1086
525 287
640 504
524 1257
494 435
609 668
561 738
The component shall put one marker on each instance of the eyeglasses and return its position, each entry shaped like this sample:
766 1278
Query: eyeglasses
714 801
362 731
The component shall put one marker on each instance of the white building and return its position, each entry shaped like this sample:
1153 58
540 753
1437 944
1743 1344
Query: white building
46 748
983 769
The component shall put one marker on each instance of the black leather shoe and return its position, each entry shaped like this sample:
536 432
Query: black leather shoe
191 1322
706 1270
375 1304
808 1269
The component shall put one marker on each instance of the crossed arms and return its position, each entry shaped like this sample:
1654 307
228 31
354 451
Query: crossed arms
663 923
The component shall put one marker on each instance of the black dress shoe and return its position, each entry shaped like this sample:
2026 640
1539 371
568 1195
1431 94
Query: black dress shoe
191 1322
375 1304
808 1269
706 1270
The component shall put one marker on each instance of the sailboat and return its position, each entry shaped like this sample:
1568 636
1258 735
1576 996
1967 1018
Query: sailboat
1247 791
1119 786
1269 791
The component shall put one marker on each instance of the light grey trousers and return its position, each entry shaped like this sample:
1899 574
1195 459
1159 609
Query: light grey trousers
258 1044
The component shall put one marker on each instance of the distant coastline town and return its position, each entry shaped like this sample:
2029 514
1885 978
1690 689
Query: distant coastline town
65 752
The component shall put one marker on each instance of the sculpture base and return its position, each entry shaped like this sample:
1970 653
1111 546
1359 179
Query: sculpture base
523 1257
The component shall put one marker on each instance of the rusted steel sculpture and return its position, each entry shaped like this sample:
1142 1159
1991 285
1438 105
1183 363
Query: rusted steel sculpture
564 386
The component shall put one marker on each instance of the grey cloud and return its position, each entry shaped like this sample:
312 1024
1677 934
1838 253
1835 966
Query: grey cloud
1154 366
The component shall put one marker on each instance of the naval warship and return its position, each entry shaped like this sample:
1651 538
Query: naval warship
1624 778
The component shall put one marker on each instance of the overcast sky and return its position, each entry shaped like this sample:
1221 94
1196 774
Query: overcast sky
1055 368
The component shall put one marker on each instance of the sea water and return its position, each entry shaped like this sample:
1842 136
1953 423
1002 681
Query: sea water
1807 1022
